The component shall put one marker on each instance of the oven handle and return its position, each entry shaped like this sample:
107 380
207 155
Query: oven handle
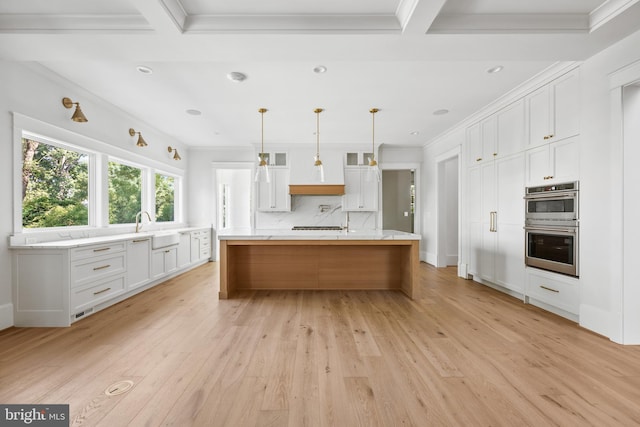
559 230
564 195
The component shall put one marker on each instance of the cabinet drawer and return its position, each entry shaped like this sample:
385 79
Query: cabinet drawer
97 250
95 293
90 269
554 290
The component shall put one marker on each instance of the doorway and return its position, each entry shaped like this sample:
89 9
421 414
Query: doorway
398 200
448 212
233 197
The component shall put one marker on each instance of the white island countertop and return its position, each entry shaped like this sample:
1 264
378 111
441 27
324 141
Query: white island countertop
286 234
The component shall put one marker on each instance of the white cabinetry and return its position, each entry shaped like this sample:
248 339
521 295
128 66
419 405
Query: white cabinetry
553 292
164 261
496 237
553 110
274 196
360 194
553 162
499 135
200 245
138 262
184 250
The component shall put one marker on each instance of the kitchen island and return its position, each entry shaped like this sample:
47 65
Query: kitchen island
318 260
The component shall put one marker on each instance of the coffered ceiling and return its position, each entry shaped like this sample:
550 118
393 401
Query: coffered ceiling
409 58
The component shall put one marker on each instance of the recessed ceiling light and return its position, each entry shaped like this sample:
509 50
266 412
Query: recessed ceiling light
319 69
415 132
441 112
495 69
236 76
144 69
193 112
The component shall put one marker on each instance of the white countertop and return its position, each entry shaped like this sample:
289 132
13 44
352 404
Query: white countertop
97 240
284 234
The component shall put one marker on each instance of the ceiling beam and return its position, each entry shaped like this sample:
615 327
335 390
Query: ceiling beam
165 16
510 23
416 16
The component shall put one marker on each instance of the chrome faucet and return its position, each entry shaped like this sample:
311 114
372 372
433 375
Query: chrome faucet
139 220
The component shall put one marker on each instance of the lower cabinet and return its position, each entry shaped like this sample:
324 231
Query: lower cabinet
164 261
138 262
56 286
554 292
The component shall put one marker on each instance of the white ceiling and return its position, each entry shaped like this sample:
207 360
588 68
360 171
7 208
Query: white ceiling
408 58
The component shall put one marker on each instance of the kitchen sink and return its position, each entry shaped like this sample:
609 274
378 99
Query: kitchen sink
164 239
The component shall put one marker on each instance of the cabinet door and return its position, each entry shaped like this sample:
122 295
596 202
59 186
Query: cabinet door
489 136
138 262
486 266
473 144
509 255
184 250
351 198
537 165
566 105
510 129
274 196
565 160
539 115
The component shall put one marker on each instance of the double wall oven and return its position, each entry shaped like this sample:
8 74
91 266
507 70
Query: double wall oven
551 228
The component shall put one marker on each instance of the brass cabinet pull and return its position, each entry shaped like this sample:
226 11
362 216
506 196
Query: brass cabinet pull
101 249
548 177
102 291
140 240
102 267
493 216
495 154
478 159
549 289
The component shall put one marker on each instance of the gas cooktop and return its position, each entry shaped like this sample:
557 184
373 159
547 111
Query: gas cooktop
317 227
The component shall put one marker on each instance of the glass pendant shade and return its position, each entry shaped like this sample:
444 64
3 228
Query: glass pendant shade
318 170
262 171
373 171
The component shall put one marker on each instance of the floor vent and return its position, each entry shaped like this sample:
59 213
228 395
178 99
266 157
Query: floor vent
118 388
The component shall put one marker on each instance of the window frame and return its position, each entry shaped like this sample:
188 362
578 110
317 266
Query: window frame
100 153
91 190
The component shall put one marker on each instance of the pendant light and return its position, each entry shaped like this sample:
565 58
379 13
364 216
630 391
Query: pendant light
318 169
262 172
373 171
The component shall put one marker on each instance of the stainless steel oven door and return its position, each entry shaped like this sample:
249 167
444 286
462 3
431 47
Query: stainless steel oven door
553 249
557 206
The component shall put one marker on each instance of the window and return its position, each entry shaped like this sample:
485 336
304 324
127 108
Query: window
55 185
165 197
125 193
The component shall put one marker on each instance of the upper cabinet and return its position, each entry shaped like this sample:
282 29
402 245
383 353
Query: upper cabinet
499 135
361 194
553 111
274 196
278 159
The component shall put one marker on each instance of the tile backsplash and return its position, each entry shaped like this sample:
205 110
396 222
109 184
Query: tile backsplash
315 210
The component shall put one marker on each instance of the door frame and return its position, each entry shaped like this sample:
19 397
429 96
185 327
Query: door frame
441 255
215 166
416 167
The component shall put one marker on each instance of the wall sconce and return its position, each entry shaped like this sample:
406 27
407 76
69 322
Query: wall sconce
141 142
176 156
78 116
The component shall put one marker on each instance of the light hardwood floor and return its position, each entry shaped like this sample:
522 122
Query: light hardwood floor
459 354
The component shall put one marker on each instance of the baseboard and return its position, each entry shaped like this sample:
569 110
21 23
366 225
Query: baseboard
602 322
6 316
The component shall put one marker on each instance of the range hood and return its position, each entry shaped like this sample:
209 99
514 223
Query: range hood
317 189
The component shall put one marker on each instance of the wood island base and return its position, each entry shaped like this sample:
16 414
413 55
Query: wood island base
318 265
